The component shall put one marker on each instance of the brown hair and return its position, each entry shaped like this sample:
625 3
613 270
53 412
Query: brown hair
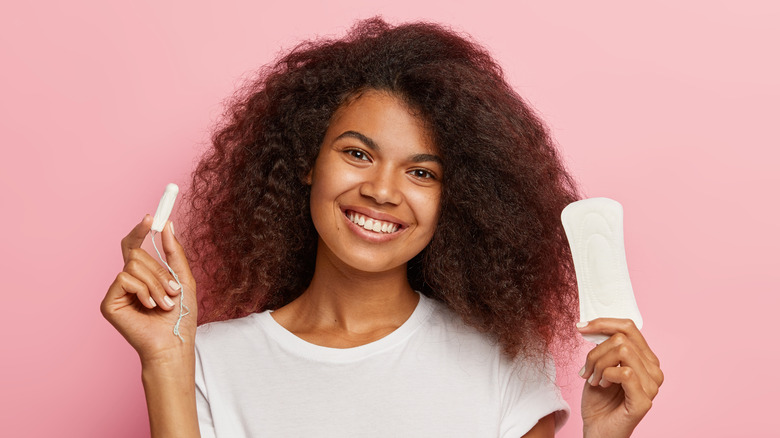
498 258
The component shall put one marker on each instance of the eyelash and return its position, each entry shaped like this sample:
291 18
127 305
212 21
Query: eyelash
354 152
364 156
428 174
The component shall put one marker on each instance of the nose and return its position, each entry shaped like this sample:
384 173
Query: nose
381 186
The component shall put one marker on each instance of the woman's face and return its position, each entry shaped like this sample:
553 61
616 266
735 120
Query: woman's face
375 186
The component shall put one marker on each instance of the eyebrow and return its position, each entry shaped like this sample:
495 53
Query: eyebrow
371 144
358 136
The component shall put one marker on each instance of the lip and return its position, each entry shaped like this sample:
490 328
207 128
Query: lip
371 235
373 214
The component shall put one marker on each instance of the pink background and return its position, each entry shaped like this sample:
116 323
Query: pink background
669 107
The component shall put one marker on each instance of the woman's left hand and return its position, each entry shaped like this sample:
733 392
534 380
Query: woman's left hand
622 379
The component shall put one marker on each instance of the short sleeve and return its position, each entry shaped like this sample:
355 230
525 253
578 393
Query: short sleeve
205 420
529 394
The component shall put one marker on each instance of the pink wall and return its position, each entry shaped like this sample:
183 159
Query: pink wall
669 107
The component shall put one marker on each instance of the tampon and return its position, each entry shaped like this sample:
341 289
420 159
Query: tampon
594 228
164 207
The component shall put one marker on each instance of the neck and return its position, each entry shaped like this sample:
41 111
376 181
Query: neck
353 306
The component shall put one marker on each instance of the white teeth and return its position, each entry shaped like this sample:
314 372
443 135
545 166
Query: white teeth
371 224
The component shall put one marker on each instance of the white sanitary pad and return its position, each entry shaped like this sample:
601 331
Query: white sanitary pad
594 228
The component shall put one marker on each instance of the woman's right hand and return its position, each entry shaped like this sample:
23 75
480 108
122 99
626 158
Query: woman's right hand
143 302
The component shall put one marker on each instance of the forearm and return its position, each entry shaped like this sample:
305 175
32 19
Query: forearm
169 384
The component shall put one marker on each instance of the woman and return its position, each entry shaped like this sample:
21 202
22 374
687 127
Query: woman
377 232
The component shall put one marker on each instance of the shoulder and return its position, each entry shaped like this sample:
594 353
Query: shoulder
452 345
525 388
228 332
232 346
520 371
445 326
450 326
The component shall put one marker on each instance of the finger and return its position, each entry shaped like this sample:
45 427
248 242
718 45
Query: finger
637 402
598 353
611 326
658 375
136 237
141 272
162 274
123 291
174 253
621 350
624 355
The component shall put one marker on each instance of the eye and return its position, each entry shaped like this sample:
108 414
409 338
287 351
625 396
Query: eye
422 174
357 154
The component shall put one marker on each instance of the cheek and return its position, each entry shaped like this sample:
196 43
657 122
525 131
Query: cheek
427 207
330 182
322 182
332 175
318 201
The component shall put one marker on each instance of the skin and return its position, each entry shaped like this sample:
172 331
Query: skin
622 375
376 160
136 306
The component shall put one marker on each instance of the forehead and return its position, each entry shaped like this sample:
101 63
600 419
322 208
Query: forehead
383 117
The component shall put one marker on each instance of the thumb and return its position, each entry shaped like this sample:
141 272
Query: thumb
174 253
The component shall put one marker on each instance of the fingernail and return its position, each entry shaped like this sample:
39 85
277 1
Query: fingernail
151 301
582 371
168 301
172 229
174 285
582 324
590 379
602 382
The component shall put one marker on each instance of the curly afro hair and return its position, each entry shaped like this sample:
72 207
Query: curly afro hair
498 258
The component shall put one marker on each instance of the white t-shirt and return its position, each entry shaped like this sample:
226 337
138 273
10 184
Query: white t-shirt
432 377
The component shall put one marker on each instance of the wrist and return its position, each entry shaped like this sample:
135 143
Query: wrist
174 355
172 364
612 432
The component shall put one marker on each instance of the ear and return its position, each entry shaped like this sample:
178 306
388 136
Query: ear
307 178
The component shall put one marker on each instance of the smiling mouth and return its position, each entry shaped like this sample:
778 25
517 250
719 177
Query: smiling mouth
372 224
